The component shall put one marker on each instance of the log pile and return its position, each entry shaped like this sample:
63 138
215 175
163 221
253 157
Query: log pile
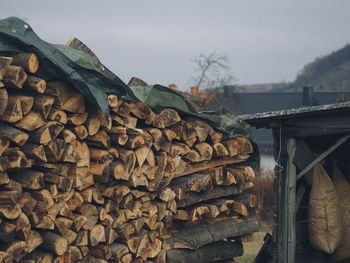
146 186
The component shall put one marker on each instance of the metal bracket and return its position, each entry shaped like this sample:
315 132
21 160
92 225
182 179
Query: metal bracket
322 156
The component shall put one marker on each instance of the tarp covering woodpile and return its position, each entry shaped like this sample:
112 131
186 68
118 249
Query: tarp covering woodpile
92 170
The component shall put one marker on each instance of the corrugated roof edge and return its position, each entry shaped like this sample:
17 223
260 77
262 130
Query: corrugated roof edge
291 113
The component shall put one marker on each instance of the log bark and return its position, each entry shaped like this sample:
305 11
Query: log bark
35 151
77 119
4 62
28 61
4 144
15 135
35 84
166 118
197 167
27 102
13 111
54 243
219 191
58 115
206 254
32 121
43 104
197 182
3 100
14 77
60 91
210 231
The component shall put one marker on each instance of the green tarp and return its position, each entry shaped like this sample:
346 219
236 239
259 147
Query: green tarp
95 81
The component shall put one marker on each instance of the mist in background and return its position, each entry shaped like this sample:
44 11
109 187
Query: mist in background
266 41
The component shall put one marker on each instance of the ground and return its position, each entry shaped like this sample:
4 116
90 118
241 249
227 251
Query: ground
251 249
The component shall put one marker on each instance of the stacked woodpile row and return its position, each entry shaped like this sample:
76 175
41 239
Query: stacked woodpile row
144 187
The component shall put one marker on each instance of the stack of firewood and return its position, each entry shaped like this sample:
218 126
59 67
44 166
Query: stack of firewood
145 186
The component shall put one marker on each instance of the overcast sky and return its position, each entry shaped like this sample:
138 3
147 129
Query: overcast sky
266 41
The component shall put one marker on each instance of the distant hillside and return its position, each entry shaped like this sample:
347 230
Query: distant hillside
328 73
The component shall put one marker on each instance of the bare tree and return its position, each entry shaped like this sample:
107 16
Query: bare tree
213 71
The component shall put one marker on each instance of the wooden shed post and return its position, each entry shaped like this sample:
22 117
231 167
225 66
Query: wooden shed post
285 175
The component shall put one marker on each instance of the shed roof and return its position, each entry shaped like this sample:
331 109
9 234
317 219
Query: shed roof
270 118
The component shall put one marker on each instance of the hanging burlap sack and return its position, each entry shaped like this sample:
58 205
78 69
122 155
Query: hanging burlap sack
342 189
325 228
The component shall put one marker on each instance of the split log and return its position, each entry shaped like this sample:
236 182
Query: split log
206 254
11 212
205 151
35 151
54 150
4 179
81 132
219 191
15 135
32 121
196 167
58 115
119 250
15 251
159 141
130 122
60 91
43 199
28 61
100 155
35 84
202 128
54 243
226 205
93 122
188 131
124 108
46 133
97 235
142 111
77 119
197 182
144 246
210 231
240 145
220 150
27 102
178 149
216 137
241 174
13 111
33 239
134 141
129 159
249 200
166 118
112 100
192 156
101 171
67 135
3 100
100 139
4 144
4 163
14 77
4 62
29 179
75 104
43 104
38 256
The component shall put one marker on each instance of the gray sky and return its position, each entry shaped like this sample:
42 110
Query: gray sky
266 41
